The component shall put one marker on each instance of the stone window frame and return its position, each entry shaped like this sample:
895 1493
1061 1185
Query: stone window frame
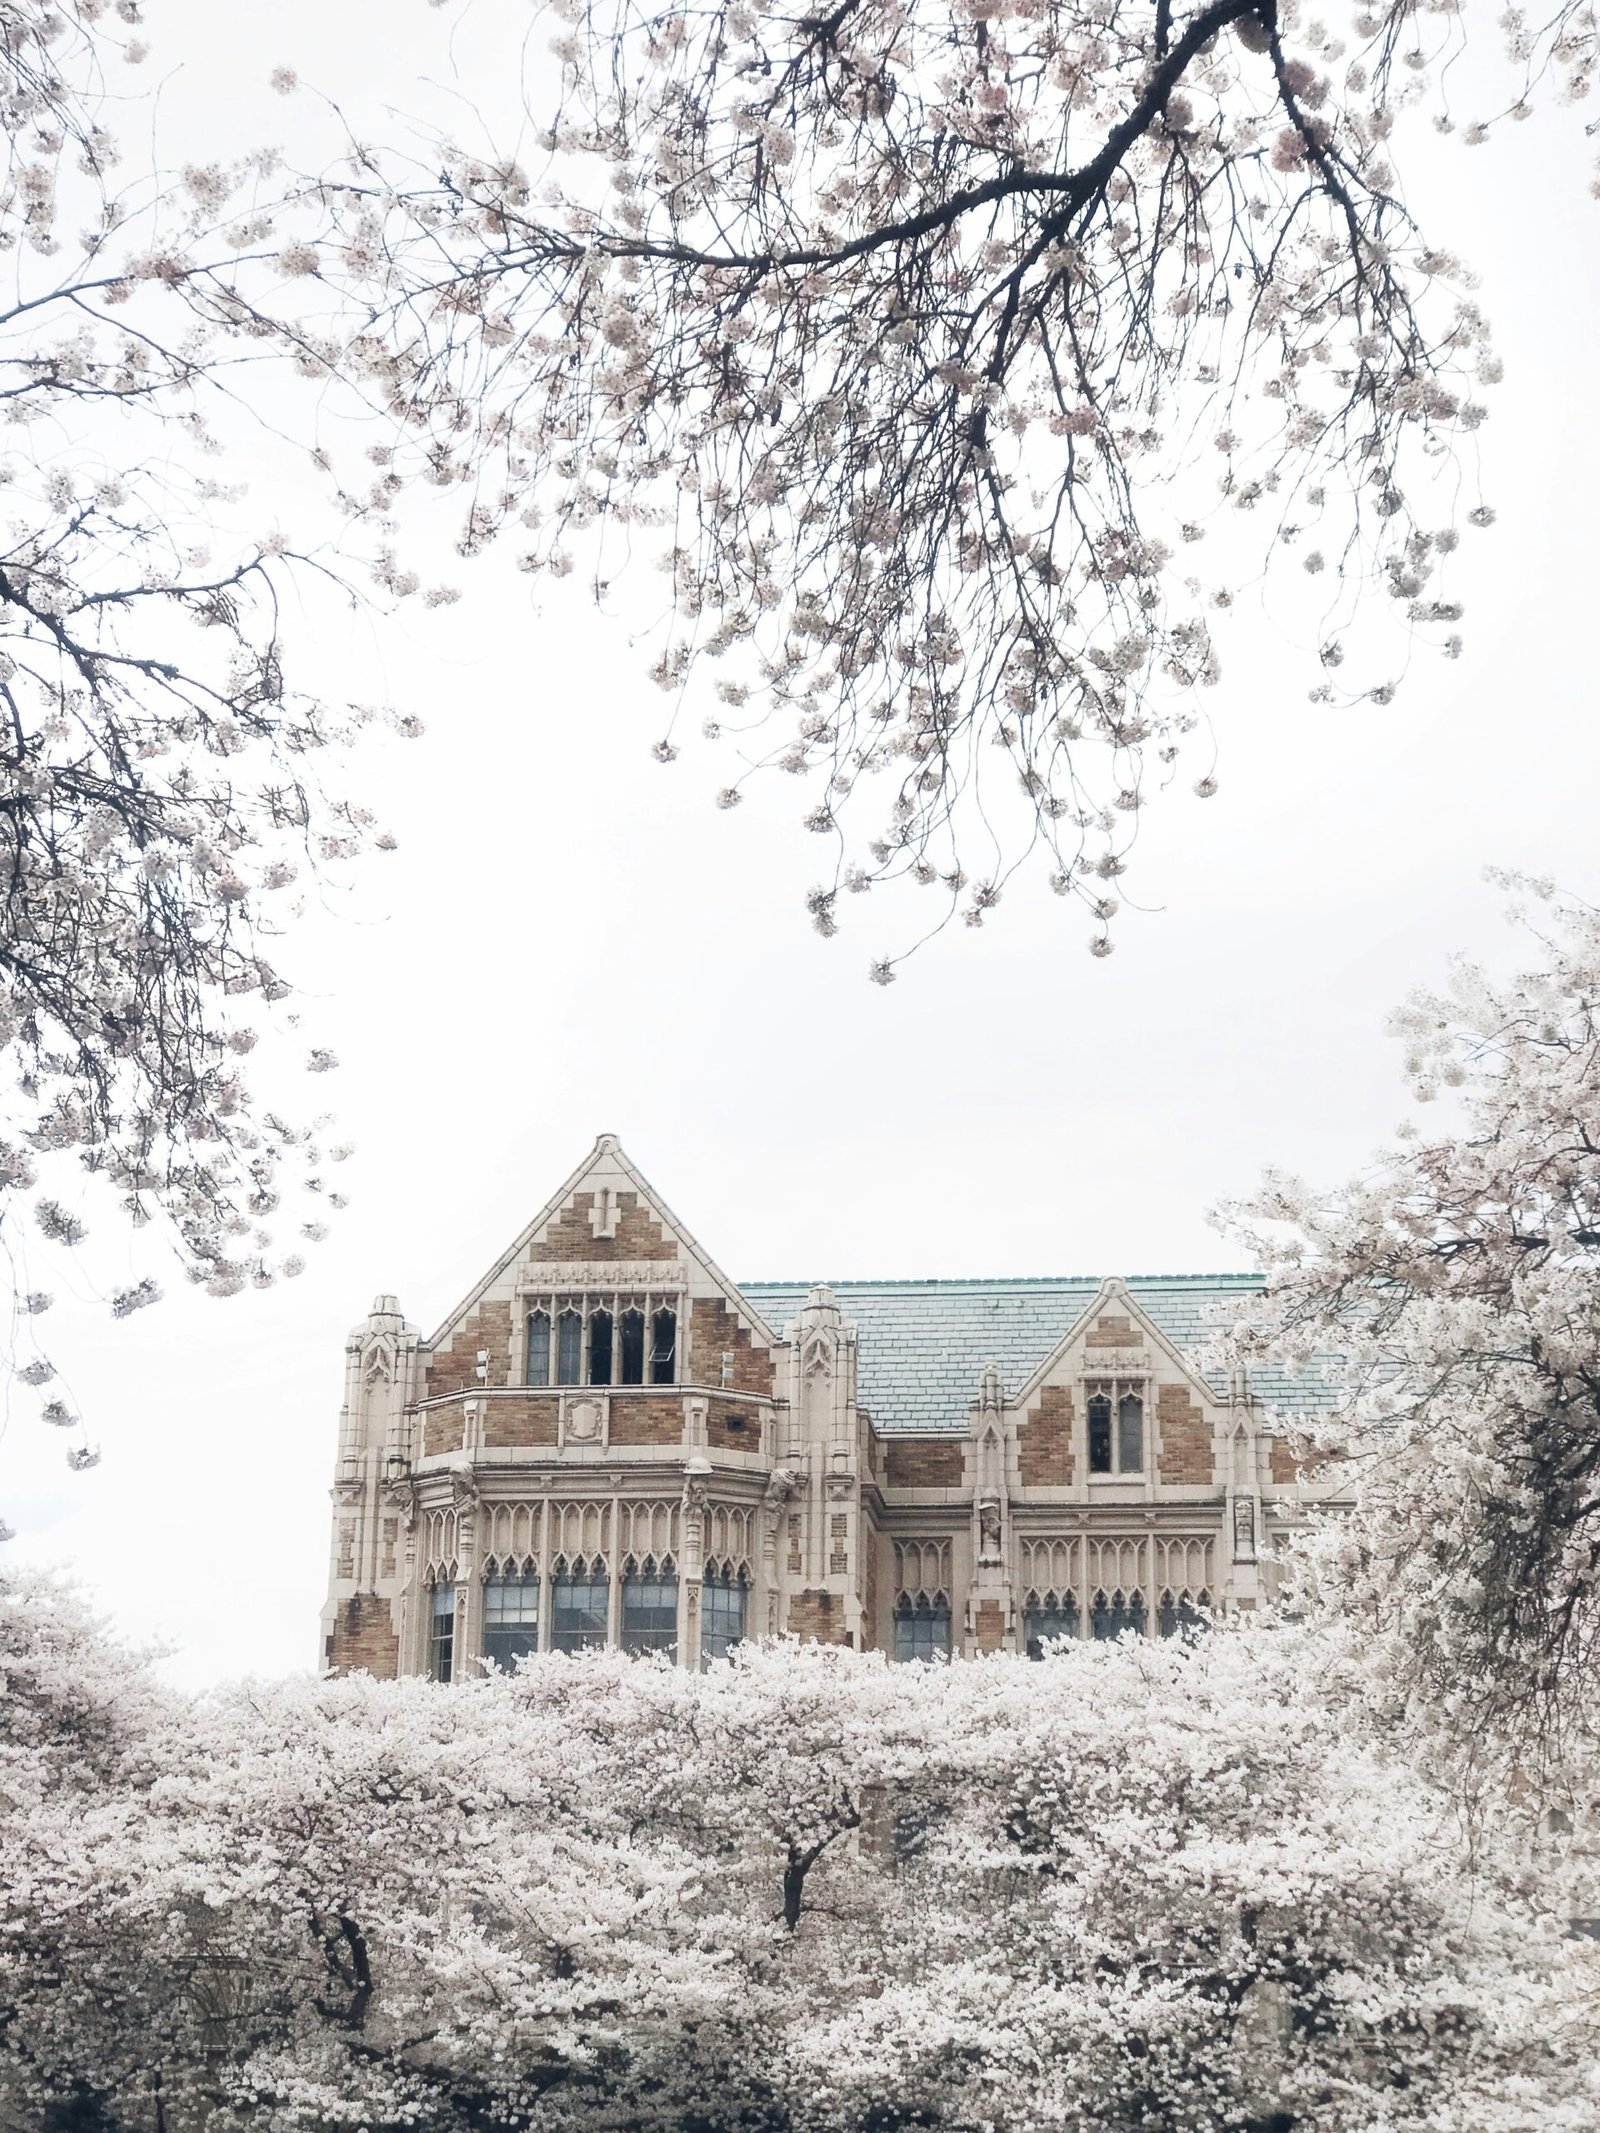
593 1574
1117 1388
658 1368
721 1580
441 1629
498 1579
918 1620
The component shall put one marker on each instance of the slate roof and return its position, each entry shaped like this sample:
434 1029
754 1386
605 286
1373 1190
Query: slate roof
924 1344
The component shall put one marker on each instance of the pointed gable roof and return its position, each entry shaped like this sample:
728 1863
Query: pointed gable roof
605 1169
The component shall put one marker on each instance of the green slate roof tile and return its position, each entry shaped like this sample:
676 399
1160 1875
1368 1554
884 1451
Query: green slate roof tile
924 1344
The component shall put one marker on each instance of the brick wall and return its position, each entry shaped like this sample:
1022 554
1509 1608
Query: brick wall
1285 1460
817 1617
441 1431
715 1332
991 1626
1186 1453
647 1422
732 1426
454 1366
1111 1332
1044 1442
923 1462
519 1420
363 1637
569 1236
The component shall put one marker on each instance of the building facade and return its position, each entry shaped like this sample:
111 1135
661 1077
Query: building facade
608 1441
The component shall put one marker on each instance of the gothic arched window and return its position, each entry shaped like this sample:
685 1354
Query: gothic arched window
630 1347
650 1607
722 1604
1130 1434
1099 1433
1112 1613
922 1627
442 1632
510 1618
664 1347
580 1605
599 1347
537 1365
569 1347
1046 1619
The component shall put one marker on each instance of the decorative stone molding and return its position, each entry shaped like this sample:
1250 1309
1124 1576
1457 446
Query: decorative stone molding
656 1275
1115 1363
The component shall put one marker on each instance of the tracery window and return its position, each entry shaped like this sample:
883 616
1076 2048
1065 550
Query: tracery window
1179 1615
1112 1613
510 1616
1115 1414
580 1604
650 1606
616 1339
922 1627
442 1632
1046 1617
722 1609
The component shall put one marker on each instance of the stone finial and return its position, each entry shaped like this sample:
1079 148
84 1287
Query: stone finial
991 1389
821 1302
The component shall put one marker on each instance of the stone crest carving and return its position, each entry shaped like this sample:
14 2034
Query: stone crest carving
585 1419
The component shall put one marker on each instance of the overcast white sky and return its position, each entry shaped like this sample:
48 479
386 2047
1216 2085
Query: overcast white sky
572 940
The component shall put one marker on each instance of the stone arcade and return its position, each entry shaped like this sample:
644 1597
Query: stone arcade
609 1441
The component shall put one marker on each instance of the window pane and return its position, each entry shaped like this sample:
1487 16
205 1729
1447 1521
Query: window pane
921 1632
580 1605
650 1611
1099 1434
721 1617
664 1348
442 1633
599 1347
630 1343
538 1367
569 1354
1130 1434
1042 1625
510 1619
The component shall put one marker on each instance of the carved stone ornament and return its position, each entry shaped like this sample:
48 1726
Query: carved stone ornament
584 1420
989 1530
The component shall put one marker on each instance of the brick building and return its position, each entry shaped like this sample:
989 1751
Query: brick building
609 1440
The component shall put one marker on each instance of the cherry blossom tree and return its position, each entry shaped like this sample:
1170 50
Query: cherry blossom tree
1133 1886
929 341
159 745
1457 1285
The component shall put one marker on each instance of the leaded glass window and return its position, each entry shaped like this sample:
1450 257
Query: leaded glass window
1048 1618
580 1606
650 1608
722 1602
569 1356
1110 1614
1179 1615
664 1347
599 1347
510 1618
614 1338
537 1370
630 1348
1114 1414
922 1627
442 1633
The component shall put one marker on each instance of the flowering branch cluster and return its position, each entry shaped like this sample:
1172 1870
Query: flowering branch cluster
1458 1281
931 335
158 789
808 1891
